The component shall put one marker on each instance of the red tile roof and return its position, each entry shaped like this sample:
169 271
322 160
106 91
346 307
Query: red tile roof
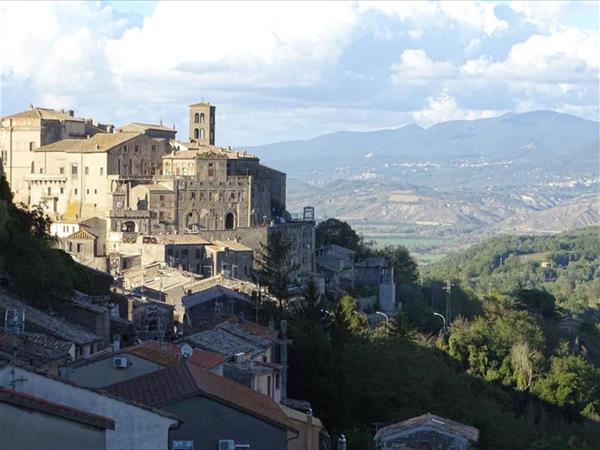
27 401
170 354
186 380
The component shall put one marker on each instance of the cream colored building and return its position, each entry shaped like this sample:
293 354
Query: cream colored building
22 133
75 178
202 123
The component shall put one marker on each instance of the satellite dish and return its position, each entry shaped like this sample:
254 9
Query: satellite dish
186 350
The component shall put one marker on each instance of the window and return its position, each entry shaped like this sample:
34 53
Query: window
49 190
41 170
31 146
62 190
161 198
153 147
101 170
201 117
62 170
125 149
32 167
229 221
211 169
193 195
87 170
184 252
95 191
196 133
4 155
79 248
75 191
137 148
74 169
201 133
198 253
87 191
196 118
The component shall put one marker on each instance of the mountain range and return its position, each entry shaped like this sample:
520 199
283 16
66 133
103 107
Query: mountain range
531 172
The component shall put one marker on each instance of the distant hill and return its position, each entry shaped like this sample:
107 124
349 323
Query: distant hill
534 136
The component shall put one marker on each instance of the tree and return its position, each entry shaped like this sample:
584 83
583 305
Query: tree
406 270
334 231
275 267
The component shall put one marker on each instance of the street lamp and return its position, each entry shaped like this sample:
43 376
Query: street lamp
387 319
443 318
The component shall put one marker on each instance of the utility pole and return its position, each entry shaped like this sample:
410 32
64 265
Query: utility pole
448 288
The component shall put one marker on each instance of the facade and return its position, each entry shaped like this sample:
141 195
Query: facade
32 423
427 431
22 133
151 426
230 411
74 178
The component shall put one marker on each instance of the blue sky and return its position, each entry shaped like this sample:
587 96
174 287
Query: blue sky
279 71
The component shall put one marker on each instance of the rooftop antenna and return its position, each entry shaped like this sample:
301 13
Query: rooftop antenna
14 325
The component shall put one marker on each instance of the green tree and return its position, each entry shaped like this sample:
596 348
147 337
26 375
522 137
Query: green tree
406 270
275 268
334 231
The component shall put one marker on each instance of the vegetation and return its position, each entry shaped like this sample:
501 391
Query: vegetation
509 366
41 274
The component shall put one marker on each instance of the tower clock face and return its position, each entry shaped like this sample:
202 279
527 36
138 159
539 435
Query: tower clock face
119 204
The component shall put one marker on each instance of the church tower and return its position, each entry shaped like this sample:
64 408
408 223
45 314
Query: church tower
202 123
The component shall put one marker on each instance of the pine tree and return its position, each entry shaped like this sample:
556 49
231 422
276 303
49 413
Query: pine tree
275 267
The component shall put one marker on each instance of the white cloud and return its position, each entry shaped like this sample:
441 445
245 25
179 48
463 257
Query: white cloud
443 107
235 43
469 16
416 66
565 55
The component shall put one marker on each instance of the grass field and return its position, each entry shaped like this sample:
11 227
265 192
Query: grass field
426 250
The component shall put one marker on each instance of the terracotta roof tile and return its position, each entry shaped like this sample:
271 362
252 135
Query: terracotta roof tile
27 401
98 143
186 380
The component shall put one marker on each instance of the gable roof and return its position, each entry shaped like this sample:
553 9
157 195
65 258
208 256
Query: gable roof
44 114
186 380
439 423
26 401
98 143
139 126
191 300
82 234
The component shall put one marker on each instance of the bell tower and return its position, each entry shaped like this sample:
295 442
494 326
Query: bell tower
202 123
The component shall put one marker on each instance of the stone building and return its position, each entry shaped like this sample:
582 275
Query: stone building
22 133
202 123
74 178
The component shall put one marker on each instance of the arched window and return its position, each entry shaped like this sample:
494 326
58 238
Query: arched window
197 118
201 133
229 221
128 227
201 117
196 133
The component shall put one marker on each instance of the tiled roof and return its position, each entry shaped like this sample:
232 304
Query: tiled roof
433 421
170 354
191 300
220 341
98 143
231 245
191 239
82 234
43 113
139 126
30 402
186 380
52 325
36 350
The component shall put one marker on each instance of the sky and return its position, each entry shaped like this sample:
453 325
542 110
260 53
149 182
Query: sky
282 70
